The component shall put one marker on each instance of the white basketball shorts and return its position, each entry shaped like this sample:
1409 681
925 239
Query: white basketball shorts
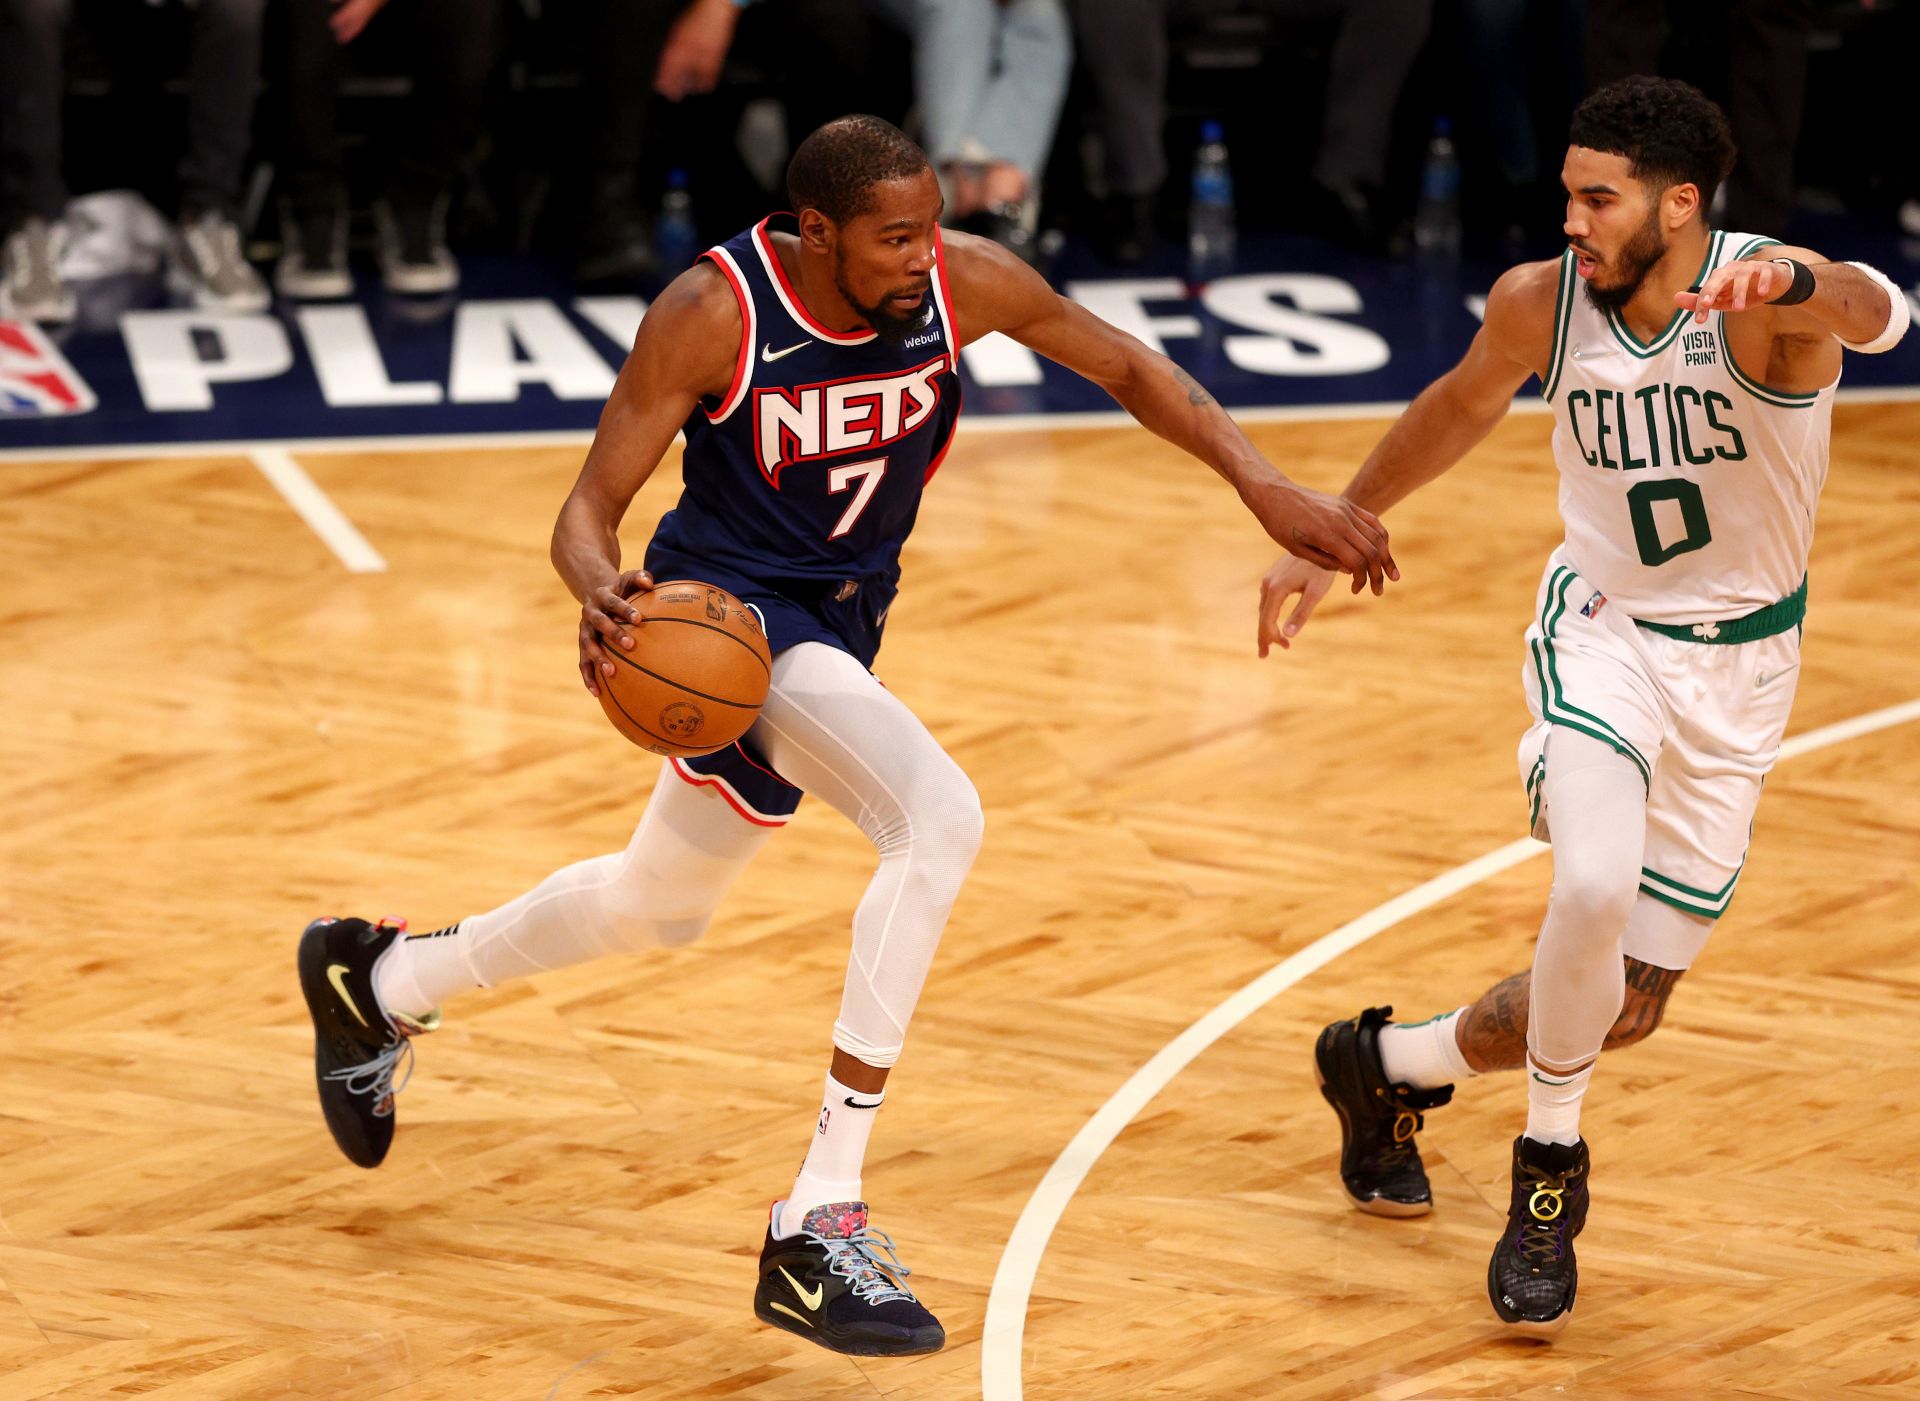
1702 722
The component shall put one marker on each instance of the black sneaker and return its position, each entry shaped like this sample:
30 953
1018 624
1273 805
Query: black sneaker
413 253
830 1284
357 1045
1532 1276
1380 1165
313 257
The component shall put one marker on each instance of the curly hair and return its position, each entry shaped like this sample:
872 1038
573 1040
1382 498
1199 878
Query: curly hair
836 168
1670 132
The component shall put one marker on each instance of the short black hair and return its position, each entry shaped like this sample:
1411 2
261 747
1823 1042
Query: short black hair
1670 132
836 168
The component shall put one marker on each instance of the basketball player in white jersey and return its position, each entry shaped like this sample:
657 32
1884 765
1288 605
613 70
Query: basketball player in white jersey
1691 373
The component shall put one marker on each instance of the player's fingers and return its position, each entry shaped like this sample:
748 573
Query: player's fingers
1313 554
1377 533
607 627
1303 610
634 581
1268 622
593 662
614 605
1370 552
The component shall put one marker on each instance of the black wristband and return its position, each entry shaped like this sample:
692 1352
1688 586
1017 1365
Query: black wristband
1802 287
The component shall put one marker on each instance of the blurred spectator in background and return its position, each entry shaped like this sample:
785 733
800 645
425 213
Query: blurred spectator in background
1123 44
1766 49
989 77
1504 81
815 56
452 48
223 80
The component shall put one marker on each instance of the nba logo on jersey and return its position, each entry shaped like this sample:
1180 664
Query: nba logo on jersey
1591 608
35 378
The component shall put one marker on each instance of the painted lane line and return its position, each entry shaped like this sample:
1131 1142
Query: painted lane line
1004 1333
316 508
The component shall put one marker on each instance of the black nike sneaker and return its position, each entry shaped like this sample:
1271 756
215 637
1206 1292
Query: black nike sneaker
830 1284
357 1045
1380 1165
1532 1276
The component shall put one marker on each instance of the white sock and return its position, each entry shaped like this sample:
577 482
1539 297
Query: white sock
1553 1102
831 1172
1425 1055
420 971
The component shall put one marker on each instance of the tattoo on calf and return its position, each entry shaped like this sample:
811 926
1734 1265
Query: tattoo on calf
1493 1033
1648 988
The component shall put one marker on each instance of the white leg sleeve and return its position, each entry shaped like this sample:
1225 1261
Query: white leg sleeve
831 728
1598 808
662 890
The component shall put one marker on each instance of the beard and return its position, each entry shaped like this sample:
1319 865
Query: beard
1635 261
890 326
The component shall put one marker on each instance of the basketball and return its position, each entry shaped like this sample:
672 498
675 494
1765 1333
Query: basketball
696 676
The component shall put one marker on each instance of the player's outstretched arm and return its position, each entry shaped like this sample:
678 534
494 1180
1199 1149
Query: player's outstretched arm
1441 426
687 348
1856 305
994 291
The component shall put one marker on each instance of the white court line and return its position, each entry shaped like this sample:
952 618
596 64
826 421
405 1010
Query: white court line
1000 1341
316 508
581 437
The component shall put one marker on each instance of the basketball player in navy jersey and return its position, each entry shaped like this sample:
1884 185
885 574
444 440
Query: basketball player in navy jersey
811 362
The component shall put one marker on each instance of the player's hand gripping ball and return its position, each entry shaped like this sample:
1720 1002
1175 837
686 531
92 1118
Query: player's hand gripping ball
696 676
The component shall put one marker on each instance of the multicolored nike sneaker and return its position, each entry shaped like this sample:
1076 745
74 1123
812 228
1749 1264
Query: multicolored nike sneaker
1532 1276
357 1044
840 1285
1380 1167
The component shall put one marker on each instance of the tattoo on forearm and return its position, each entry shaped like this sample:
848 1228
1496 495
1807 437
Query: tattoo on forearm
1196 395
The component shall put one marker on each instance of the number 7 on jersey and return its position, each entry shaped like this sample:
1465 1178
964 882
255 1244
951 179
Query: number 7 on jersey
869 475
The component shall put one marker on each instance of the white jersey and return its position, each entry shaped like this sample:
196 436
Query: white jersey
1688 489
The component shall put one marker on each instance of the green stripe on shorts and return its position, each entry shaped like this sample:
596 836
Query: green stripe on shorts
1553 702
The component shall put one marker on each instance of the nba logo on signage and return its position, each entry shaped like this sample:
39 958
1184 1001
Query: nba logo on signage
34 377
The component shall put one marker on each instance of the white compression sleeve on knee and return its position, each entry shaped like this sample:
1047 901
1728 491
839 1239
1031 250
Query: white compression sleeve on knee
662 890
834 730
1599 816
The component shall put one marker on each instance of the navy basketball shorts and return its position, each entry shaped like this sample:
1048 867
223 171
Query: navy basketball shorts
849 614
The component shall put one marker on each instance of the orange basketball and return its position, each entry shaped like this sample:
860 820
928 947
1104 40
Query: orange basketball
697 674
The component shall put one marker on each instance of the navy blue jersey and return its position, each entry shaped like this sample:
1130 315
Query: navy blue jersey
803 481
810 468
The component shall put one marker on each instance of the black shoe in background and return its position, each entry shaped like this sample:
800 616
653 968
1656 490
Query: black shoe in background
1380 1167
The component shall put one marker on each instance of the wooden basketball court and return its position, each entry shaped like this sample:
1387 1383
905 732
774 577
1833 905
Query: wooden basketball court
214 732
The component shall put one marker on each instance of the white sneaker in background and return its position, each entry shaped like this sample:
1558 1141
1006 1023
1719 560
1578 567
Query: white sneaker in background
33 288
210 267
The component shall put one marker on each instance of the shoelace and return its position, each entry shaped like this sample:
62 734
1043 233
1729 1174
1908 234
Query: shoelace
1394 1154
1539 1241
375 1077
856 1258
